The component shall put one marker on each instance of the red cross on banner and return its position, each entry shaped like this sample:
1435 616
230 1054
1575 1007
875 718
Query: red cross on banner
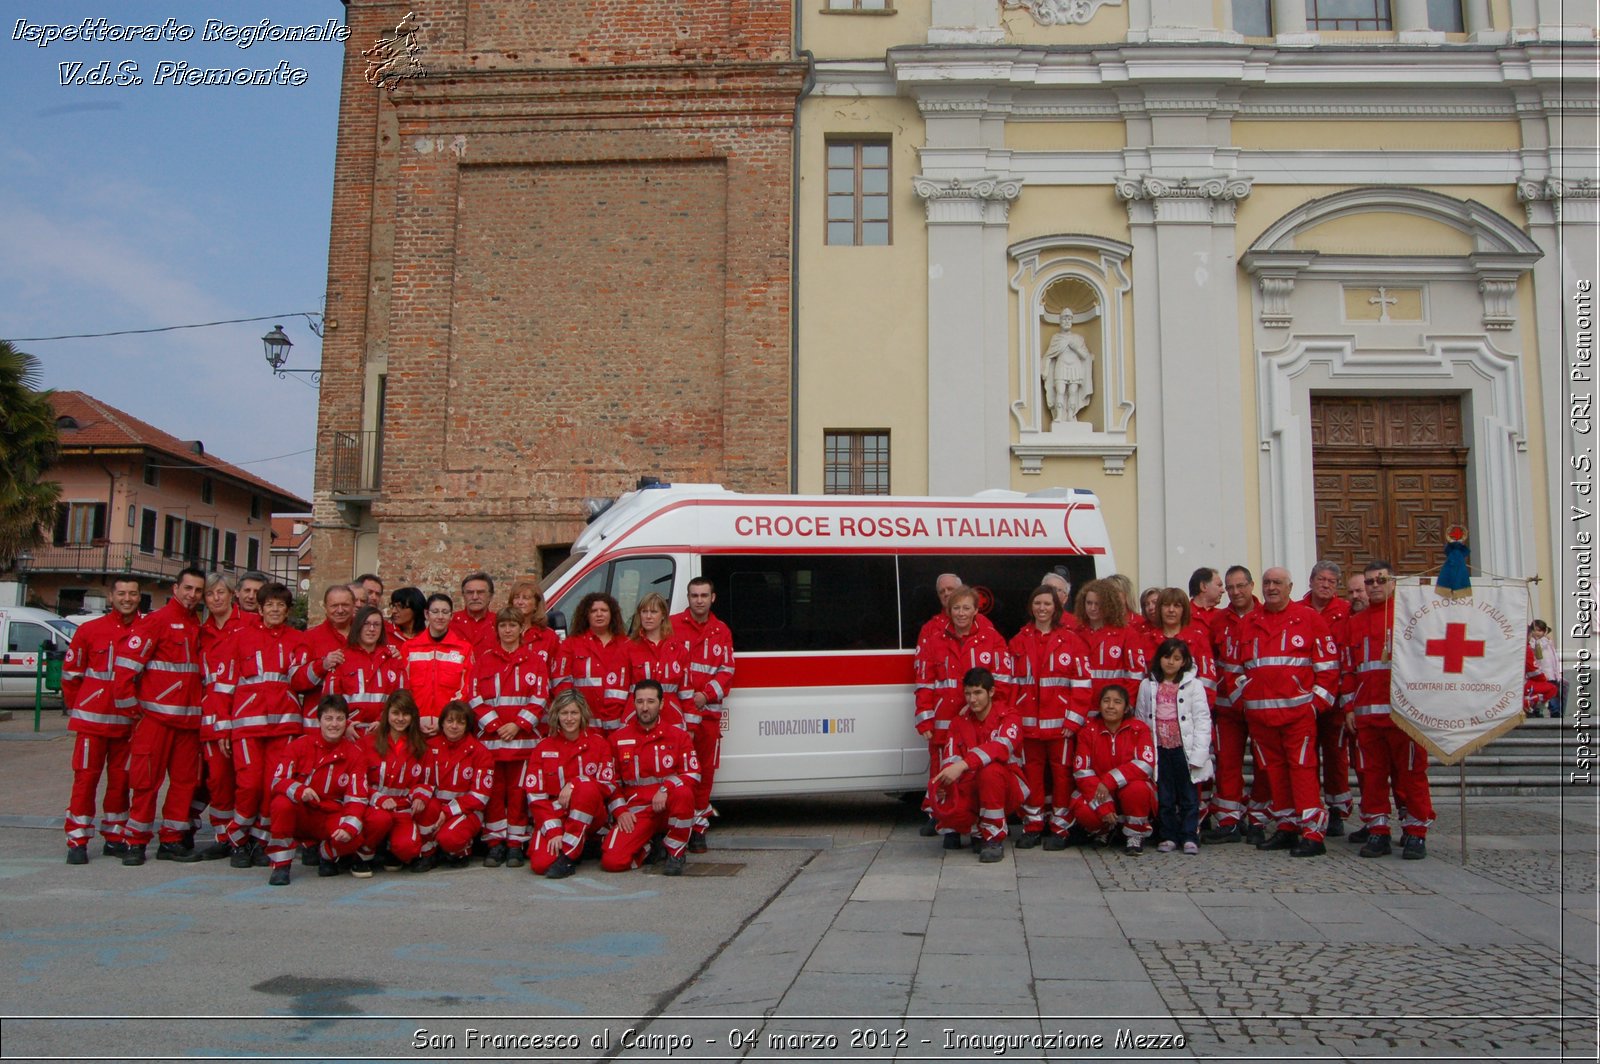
1455 648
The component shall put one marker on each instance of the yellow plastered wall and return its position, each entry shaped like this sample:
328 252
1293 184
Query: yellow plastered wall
867 35
1108 26
1372 136
1384 233
863 311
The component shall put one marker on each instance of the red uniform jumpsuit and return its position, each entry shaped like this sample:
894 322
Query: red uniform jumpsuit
708 672
462 773
477 632
158 671
943 658
992 786
584 762
657 759
509 688
336 773
1233 734
103 730
364 679
320 641
1385 754
266 717
1124 762
437 671
217 645
1333 748
599 672
395 778
664 663
546 646
1288 673
1052 681
1116 656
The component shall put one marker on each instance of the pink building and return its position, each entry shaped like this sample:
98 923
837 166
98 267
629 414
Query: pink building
137 500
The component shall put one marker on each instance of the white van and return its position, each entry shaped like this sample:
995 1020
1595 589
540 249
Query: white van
825 596
25 633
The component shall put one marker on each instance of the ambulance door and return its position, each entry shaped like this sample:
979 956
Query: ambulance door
24 642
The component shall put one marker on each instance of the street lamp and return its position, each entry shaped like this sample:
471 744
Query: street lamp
276 345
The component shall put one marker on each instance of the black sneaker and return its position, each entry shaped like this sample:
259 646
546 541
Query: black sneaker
421 864
216 851
77 855
1309 848
279 877
561 869
928 829
1335 825
1377 846
258 854
243 856
697 842
327 869
361 869
1414 848
952 840
992 852
176 851
1029 839
1359 835
1218 835
113 849
673 866
515 858
496 856
1054 843
1281 840
308 856
134 856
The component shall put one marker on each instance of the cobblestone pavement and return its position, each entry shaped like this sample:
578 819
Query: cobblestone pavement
1237 867
1532 872
1374 998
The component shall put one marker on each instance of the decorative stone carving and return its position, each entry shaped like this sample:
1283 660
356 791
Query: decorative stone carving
1553 191
969 199
1499 301
1275 293
1062 12
1067 372
1205 200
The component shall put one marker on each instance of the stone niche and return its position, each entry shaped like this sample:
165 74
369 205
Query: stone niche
1086 276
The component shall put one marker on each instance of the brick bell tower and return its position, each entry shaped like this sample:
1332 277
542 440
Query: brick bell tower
560 259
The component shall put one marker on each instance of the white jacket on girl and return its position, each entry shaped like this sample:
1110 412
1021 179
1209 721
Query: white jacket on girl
1194 720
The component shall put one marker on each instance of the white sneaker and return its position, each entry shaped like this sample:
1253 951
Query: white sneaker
1167 846
1191 847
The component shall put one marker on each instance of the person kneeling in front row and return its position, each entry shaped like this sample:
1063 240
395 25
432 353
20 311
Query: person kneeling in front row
979 781
1115 762
656 771
319 794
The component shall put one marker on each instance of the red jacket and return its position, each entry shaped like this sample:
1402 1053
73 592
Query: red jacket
599 672
707 665
1065 685
437 671
88 675
480 634
662 662
1197 637
1114 759
337 772
509 688
1224 624
264 701
1286 662
943 659
649 759
365 679
321 640
158 667
461 773
1116 655
395 778
1336 610
546 646
217 648
995 740
558 761
1364 656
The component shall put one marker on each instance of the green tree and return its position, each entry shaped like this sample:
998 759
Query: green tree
28 447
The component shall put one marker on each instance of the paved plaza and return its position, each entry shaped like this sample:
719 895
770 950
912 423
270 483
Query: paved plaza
822 929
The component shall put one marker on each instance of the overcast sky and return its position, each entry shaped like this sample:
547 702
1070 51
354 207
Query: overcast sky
141 206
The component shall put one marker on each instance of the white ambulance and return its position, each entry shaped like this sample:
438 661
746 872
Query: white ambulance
25 635
825 596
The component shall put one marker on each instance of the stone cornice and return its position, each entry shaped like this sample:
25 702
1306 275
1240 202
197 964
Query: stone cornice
1554 188
987 187
1215 187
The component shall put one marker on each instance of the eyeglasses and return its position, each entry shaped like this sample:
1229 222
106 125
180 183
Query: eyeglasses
1376 581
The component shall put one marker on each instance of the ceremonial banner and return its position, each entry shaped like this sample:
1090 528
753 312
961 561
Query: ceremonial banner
1457 664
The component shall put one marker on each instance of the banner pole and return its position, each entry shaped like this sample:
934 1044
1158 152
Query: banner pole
1462 765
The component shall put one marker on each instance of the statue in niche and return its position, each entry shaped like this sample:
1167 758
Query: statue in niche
1067 371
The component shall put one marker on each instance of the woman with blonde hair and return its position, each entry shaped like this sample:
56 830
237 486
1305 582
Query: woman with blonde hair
655 655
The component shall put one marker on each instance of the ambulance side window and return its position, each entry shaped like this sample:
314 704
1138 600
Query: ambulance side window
806 602
26 638
634 578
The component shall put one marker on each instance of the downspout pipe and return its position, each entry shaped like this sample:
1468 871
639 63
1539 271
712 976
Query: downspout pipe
794 256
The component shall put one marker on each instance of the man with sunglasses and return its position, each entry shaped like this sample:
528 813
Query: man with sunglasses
1385 754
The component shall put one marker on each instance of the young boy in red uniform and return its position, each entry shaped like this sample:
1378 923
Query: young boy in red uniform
319 794
980 781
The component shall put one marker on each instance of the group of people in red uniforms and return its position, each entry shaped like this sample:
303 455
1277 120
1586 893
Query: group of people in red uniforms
1105 717
403 740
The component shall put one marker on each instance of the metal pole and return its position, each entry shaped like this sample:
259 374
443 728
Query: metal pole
38 689
1463 767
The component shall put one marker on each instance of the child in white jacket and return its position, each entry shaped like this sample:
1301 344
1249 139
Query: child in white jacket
1172 701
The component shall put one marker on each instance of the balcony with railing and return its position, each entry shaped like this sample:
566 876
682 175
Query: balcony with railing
108 558
357 464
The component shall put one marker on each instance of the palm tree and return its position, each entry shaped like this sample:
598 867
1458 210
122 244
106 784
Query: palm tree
28 445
